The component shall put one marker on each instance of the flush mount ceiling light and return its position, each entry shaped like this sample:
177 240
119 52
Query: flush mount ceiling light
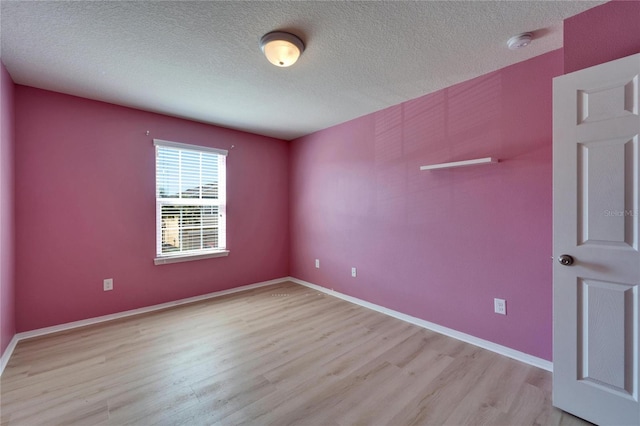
519 41
281 49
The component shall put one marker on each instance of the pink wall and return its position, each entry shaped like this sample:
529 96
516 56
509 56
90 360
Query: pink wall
7 287
601 34
438 245
85 209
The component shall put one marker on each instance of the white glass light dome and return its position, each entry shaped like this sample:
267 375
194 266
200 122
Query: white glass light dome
281 49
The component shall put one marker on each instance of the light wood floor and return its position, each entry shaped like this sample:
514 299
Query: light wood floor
277 355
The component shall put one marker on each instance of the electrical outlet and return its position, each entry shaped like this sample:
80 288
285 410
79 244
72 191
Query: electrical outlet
353 272
317 263
107 285
500 306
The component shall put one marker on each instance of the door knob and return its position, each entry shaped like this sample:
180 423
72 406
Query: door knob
565 260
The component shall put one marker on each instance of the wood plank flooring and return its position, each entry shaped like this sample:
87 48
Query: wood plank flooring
277 355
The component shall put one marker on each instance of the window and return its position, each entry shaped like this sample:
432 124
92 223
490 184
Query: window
190 202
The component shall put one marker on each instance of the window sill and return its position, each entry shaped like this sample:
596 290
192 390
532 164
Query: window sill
189 257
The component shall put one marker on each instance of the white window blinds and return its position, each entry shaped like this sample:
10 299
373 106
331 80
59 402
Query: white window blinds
190 199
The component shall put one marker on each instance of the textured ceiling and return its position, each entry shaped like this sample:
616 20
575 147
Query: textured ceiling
201 60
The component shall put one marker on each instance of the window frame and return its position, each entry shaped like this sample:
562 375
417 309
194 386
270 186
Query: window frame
219 203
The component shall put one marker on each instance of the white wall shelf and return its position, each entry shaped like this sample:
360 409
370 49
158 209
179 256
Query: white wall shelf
465 163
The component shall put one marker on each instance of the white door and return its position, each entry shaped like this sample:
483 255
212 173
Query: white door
596 340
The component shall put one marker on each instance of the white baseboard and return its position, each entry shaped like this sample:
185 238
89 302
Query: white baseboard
89 321
485 344
4 359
